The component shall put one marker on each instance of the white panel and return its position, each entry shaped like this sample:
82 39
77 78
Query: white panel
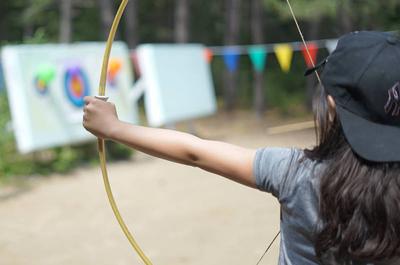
178 82
47 117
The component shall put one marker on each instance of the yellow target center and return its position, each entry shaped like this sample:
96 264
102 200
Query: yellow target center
76 86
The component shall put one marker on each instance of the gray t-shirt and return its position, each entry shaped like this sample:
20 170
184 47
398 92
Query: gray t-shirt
296 186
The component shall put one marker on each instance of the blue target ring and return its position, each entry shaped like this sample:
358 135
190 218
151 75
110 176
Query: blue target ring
76 86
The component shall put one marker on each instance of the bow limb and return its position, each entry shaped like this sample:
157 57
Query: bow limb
101 144
106 56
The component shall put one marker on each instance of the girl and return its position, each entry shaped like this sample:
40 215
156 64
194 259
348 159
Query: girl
340 201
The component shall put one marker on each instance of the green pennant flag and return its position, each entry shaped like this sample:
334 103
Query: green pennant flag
258 57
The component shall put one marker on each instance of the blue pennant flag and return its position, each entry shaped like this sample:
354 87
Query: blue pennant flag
231 58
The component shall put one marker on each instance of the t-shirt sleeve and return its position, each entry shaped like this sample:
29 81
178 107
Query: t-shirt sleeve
271 169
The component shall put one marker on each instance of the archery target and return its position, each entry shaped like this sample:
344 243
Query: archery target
46 85
76 86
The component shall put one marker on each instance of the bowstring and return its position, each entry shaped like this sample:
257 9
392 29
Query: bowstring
303 40
319 80
269 246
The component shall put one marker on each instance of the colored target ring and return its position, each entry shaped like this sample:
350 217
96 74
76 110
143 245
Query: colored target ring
76 86
114 68
44 75
41 86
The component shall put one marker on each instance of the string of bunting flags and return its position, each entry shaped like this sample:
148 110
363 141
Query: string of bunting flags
259 53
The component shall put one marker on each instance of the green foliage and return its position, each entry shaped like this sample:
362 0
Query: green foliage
39 37
380 15
55 160
286 91
33 13
359 12
305 9
37 21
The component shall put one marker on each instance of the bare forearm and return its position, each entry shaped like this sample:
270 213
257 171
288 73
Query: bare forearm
233 162
221 158
162 143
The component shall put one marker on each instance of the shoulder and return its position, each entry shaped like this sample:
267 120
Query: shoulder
276 158
281 170
271 167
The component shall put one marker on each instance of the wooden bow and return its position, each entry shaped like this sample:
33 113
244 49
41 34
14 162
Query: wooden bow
100 142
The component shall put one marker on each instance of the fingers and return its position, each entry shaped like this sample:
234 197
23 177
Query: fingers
94 106
86 107
88 100
93 100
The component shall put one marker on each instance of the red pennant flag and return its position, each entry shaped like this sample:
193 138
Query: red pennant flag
208 54
313 49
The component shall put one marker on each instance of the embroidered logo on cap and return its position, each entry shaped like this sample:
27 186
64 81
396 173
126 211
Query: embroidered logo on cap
392 106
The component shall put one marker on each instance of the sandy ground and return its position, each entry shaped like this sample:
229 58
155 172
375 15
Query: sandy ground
180 215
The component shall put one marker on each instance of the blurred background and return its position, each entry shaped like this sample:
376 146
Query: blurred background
212 23
51 200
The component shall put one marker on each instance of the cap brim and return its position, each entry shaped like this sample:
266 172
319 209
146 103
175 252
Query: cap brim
371 141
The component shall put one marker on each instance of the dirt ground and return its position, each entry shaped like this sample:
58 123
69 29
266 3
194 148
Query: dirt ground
179 215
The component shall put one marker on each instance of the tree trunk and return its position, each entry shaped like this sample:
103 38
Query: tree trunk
257 38
231 38
28 31
181 32
345 15
131 22
107 16
65 21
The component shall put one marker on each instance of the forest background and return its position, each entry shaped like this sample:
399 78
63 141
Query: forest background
212 23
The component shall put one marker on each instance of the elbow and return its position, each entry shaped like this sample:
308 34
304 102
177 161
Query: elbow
193 157
193 160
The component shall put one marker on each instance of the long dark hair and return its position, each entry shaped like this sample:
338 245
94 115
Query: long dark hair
359 199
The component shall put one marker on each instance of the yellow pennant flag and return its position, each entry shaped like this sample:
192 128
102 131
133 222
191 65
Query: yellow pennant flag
284 53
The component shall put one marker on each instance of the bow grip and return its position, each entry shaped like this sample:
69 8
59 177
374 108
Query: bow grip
104 98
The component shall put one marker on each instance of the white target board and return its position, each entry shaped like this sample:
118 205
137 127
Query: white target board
46 85
178 83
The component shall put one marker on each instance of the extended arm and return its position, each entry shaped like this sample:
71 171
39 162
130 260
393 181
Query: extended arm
224 159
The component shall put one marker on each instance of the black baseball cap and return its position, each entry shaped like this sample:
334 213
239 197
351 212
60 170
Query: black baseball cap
363 76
